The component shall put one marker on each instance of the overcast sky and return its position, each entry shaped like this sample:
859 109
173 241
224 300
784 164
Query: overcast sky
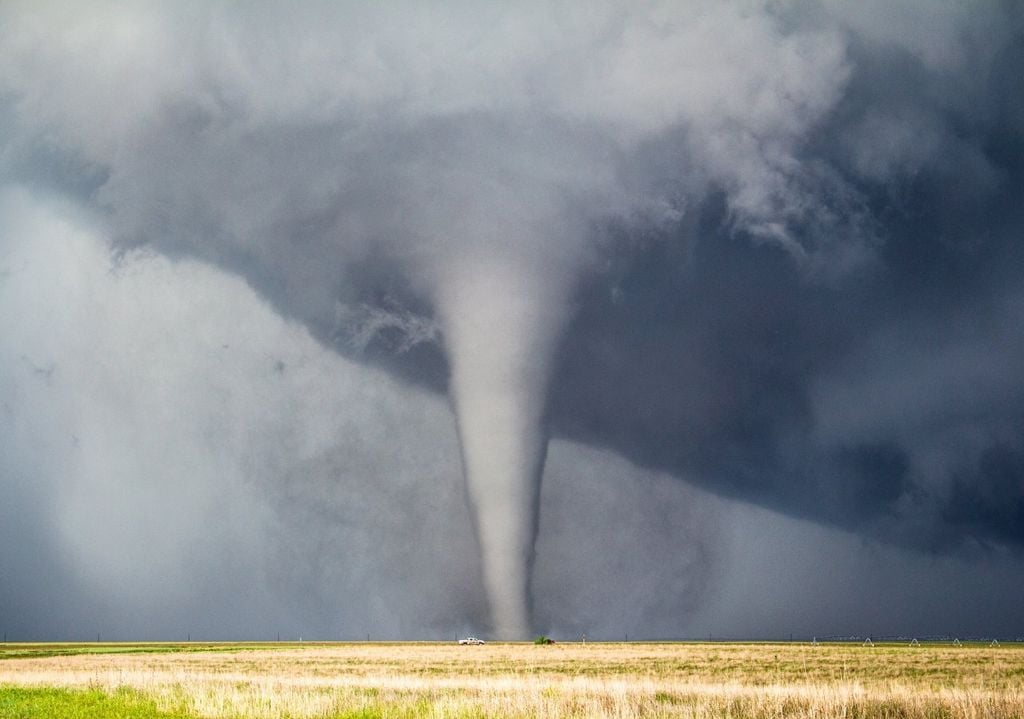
773 272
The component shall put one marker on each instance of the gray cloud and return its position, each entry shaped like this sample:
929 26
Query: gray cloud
771 250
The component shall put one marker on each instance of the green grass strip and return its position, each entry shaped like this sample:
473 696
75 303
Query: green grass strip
37 703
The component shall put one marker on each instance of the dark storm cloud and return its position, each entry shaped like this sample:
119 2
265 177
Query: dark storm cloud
830 401
888 400
700 349
776 247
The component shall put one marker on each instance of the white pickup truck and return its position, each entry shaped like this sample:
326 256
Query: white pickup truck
471 640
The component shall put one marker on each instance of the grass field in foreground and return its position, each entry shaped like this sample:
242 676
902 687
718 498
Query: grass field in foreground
511 680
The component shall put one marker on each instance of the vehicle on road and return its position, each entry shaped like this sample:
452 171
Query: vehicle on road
471 640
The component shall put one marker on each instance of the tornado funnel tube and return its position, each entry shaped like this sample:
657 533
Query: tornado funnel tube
500 327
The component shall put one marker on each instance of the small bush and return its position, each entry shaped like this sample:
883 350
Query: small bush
543 640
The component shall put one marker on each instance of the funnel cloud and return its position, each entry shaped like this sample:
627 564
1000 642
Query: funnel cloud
356 273
500 329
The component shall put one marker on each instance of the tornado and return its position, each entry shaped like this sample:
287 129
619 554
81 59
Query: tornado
501 321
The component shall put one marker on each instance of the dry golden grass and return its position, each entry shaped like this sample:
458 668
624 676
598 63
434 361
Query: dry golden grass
564 680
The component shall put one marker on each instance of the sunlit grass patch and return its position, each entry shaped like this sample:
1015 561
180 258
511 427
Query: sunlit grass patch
56 703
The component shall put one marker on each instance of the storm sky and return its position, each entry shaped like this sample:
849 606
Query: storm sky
756 270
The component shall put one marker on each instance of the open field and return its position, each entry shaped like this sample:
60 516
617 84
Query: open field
166 681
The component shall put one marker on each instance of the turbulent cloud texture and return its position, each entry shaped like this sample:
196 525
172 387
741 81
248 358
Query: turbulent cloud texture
770 249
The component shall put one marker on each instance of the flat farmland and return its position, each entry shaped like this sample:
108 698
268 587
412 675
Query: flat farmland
510 680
